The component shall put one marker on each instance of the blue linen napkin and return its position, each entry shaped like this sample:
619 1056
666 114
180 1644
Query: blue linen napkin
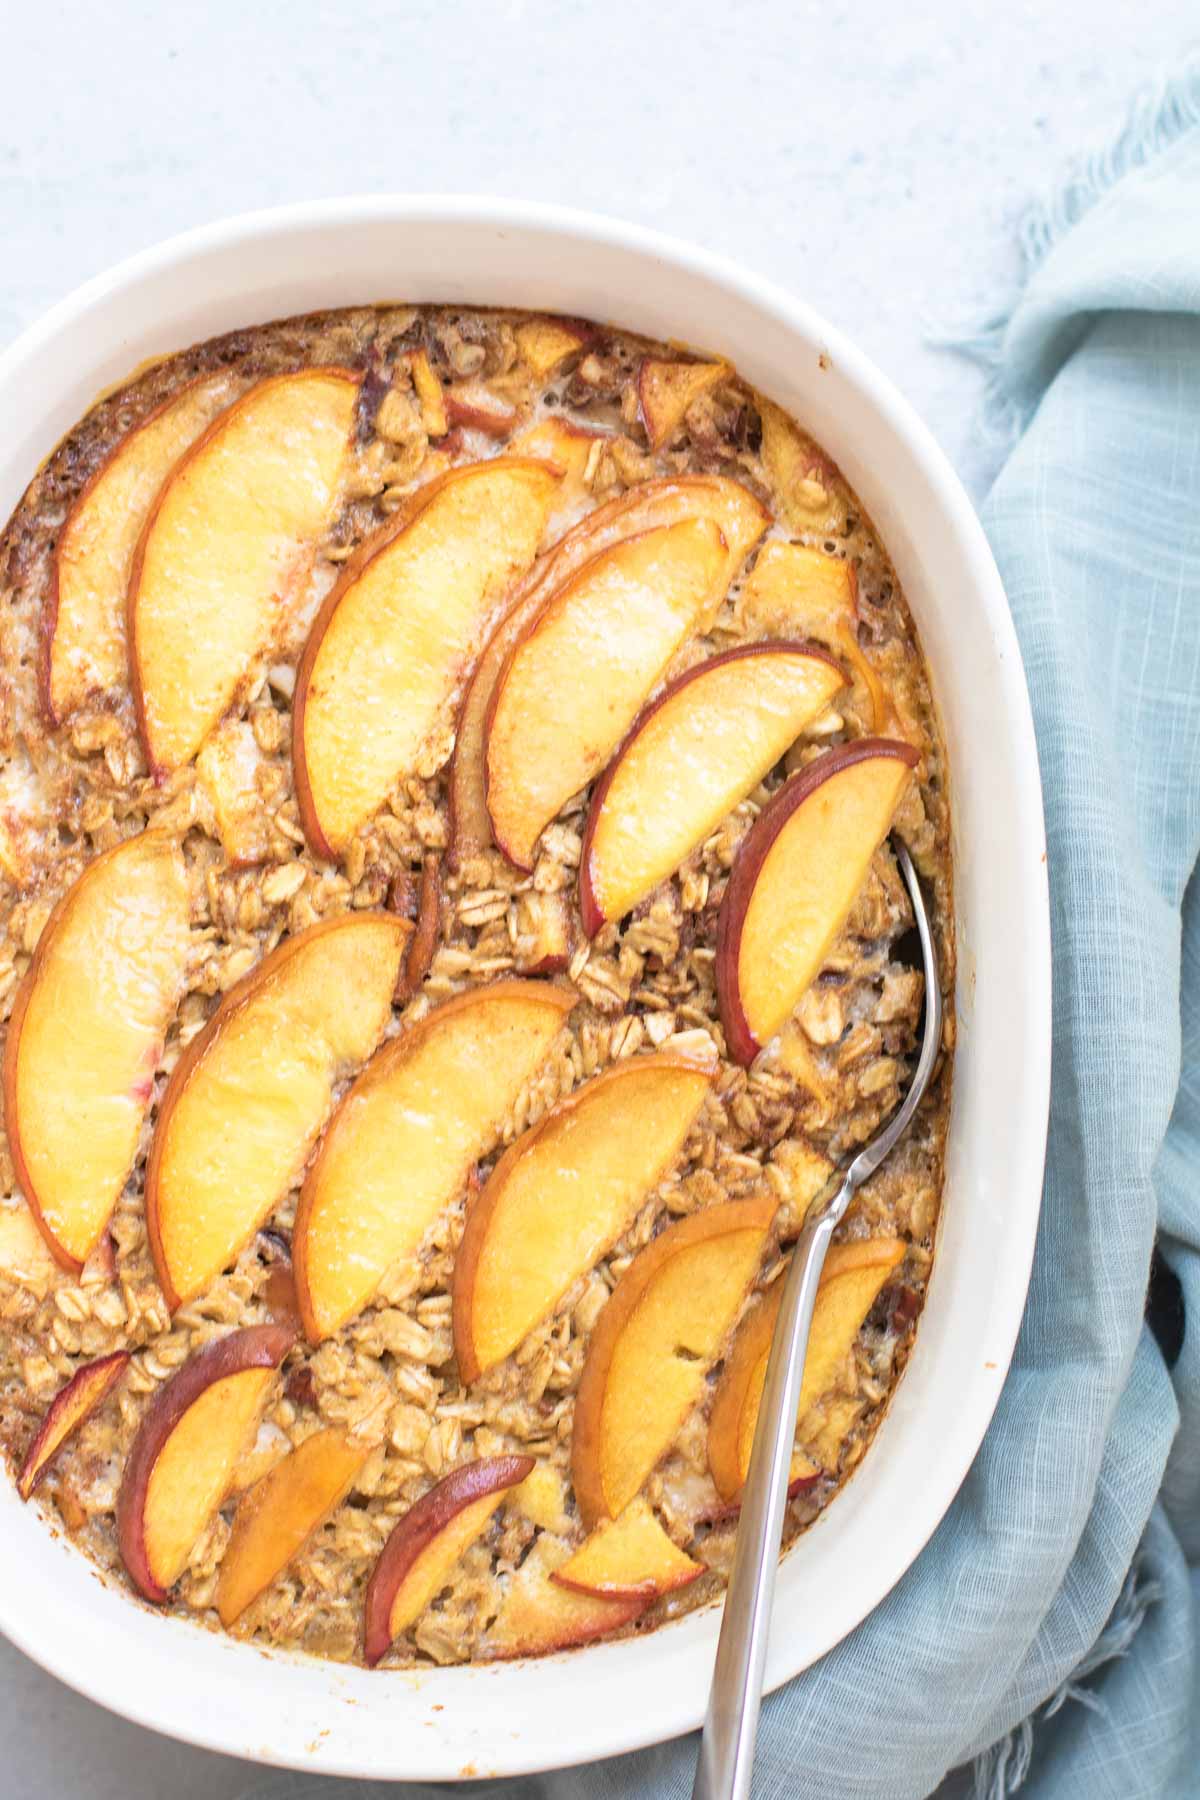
1049 1632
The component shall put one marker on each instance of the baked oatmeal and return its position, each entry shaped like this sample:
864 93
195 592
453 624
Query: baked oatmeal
449 934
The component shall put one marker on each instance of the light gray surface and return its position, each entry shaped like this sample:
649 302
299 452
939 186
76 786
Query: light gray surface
872 157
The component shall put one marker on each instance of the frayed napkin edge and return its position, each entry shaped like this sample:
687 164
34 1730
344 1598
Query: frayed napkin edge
1002 1769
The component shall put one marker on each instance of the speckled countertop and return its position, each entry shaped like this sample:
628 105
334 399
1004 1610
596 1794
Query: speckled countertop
871 157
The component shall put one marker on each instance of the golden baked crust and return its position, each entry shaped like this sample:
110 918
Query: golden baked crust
70 791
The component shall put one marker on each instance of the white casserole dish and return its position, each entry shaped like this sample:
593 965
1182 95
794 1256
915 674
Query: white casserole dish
594 1702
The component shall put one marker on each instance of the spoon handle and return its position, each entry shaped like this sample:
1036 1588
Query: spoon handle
727 1746
731 1725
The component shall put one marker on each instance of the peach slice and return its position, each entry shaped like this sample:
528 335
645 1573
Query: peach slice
539 1615
192 1435
428 390
473 404
470 826
795 591
799 471
828 1429
228 765
795 880
798 1061
733 508
667 389
86 1035
279 1291
702 746
227 547
542 1497
428 1542
279 1514
545 344
405 1136
428 925
247 1100
629 1558
397 632
561 442
570 448
85 651
88 1387
573 685
805 1171
561 1196
851 1282
650 1350
545 934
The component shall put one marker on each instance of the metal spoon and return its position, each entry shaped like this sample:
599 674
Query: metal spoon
730 1729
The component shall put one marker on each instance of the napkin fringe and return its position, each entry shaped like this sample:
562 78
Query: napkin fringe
1003 1768
1160 114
